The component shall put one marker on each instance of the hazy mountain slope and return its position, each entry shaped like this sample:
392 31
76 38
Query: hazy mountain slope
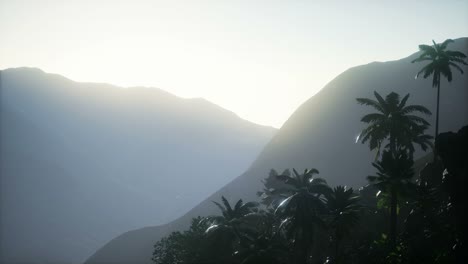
320 134
81 163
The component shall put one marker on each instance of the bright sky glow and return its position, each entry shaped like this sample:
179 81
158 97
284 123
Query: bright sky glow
259 59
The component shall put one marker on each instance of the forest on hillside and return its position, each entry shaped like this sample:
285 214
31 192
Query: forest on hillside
411 211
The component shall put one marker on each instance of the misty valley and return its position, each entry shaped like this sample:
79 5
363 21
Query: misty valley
370 169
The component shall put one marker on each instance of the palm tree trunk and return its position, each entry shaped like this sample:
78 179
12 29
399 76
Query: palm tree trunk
301 249
393 217
437 117
300 255
337 246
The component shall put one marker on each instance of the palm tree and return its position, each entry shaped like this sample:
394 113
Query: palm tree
224 230
275 190
303 210
264 243
239 210
344 212
395 121
440 63
416 135
394 174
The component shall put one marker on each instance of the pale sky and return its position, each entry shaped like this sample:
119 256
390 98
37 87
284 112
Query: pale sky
259 59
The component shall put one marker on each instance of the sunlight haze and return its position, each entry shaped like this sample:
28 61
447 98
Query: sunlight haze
259 59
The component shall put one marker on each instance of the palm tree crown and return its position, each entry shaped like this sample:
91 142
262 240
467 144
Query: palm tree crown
240 209
394 121
392 173
303 210
226 231
440 61
343 212
343 208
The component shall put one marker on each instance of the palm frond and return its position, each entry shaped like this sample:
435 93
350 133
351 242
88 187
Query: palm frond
426 71
381 101
455 54
286 179
238 205
458 60
250 205
436 47
427 50
403 101
447 73
370 118
415 108
284 204
444 44
456 67
226 205
313 171
370 102
220 207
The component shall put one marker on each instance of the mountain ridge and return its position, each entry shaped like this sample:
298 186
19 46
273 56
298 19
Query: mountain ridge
89 161
151 89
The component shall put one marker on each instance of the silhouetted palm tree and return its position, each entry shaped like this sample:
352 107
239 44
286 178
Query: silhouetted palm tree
343 211
416 136
395 121
226 229
440 63
263 244
240 209
303 210
394 175
275 190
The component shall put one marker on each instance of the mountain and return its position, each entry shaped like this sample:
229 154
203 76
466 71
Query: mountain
320 134
81 163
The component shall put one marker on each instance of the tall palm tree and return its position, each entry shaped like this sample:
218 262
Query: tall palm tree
394 121
394 174
343 211
440 63
303 210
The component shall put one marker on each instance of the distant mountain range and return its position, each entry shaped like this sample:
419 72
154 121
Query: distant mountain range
80 163
320 134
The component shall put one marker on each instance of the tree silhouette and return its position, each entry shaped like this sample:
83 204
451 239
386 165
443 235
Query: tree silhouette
275 190
303 211
394 174
440 64
183 247
239 210
395 121
416 136
263 244
343 210
226 230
